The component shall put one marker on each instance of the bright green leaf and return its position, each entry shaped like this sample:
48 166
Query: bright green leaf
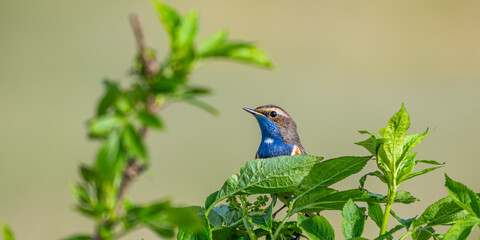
202 105
412 175
103 125
109 156
462 229
186 31
169 17
463 196
443 212
395 133
316 227
212 43
111 93
7 232
241 51
353 220
432 162
405 197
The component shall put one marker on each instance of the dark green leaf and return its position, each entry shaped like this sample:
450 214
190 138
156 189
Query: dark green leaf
264 176
186 232
463 196
169 17
443 212
329 172
405 222
7 232
266 221
377 174
389 234
423 233
149 119
375 212
372 143
103 125
222 215
405 197
353 220
111 93
202 105
317 227
133 142
462 229
212 43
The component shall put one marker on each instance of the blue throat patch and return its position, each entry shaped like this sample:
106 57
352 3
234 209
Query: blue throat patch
272 144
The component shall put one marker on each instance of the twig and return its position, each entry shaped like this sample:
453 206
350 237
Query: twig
134 168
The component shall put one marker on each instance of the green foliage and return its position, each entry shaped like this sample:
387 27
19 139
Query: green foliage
316 227
123 117
353 220
7 232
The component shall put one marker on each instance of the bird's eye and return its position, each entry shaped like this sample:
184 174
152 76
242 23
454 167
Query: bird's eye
273 114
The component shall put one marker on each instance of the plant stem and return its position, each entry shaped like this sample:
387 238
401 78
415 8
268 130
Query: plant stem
390 199
245 220
277 231
407 234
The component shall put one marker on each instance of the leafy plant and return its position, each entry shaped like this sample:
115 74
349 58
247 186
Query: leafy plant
124 115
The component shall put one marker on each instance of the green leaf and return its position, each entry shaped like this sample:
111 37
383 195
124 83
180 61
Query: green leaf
406 167
103 125
412 175
324 198
223 215
353 220
78 237
133 142
372 143
329 172
463 196
7 232
375 212
202 105
149 119
111 92
405 222
411 141
186 31
169 17
405 197
462 229
186 232
108 158
432 162
317 227
377 174
264 176
212 43
389 234
443 212
241 51
423 233
395 132
266 221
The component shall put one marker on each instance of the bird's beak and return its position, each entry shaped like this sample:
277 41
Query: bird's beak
252 111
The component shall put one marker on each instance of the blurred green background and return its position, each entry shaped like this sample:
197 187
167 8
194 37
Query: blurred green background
341 66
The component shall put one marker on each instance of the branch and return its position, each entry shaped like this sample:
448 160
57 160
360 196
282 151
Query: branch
134 168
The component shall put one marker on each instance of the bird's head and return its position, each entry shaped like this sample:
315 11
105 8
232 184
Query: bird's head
274 121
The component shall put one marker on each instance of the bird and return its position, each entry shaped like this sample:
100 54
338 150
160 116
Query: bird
279 132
